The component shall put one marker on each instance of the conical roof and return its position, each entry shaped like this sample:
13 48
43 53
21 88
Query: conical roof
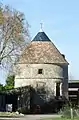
41 36
41 50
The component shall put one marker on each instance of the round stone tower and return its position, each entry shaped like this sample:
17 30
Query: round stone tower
41 64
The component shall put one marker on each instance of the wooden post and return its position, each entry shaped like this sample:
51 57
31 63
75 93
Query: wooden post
71 113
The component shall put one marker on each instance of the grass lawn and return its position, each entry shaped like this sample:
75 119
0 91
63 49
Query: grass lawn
60 119
9 114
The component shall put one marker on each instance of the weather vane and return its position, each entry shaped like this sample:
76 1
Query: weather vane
41 27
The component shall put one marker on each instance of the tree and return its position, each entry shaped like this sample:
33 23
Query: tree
1 87
9 82
14 34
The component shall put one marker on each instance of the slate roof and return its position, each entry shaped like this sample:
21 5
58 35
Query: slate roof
41 50
41 36
73 81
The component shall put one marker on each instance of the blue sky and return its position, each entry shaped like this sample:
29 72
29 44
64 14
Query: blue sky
61 23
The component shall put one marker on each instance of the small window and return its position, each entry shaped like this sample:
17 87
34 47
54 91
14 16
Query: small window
40 71
58 89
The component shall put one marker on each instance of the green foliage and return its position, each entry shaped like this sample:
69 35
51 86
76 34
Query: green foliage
9 82
23 110
1 87
67 113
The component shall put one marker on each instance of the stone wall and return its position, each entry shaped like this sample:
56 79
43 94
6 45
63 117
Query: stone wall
51 73
31 71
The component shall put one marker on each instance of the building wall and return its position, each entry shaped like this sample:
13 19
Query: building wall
52 73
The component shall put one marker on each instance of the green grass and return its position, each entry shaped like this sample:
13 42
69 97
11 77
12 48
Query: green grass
8 114
59 119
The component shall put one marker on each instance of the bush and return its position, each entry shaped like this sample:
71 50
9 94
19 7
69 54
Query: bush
23 110
69 111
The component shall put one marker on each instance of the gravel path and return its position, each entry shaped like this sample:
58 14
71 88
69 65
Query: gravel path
31 117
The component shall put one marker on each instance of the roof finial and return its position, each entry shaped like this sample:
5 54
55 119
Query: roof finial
41 27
